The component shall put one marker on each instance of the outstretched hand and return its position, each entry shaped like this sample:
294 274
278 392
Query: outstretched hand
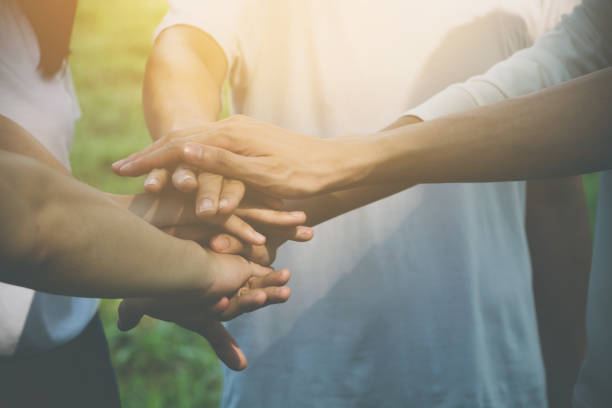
271 159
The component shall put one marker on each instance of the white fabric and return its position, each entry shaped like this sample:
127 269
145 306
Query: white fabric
577 46
421 299
32 321
580 44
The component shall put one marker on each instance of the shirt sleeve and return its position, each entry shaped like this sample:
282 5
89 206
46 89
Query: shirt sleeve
581 43
218 18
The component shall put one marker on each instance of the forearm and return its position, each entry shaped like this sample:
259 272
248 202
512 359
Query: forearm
559 236
62 236
183 80
15 139
545 134
327 206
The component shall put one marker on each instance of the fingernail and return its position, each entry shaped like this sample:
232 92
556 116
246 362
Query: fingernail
125 167
258 237
152 182
304 232
187 179
117 164
192 151
223 203
205 205
296 214
222 243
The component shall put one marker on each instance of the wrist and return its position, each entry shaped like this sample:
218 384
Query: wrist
195 274
353 161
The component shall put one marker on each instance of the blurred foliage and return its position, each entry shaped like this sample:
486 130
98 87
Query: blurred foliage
157 364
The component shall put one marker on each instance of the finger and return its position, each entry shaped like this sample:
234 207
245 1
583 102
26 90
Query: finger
221 161
224 345
156 180
274 278
231 195
301 233
276 295
241 229
209 188
228 244
129 315
265 199
155 156
184 179
153 146
272 217
249 301
257 293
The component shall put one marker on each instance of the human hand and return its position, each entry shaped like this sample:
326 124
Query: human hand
267 157
202 313
214 194
262 254
172 211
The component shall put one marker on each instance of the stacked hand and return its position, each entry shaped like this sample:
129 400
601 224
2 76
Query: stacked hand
266 157
236 287
238 221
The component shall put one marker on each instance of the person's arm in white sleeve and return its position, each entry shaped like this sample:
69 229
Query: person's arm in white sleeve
557 221
575 47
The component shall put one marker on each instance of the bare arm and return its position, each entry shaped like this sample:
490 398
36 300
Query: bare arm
183 81
546 134
560 246
549 133
182 90
62 236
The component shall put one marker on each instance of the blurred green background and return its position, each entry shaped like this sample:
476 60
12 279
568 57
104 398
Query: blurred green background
157 364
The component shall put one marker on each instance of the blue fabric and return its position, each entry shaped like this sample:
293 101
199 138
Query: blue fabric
594 388
76 374
423 299
54 320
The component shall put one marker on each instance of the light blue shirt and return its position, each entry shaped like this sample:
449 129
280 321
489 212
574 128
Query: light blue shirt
594 388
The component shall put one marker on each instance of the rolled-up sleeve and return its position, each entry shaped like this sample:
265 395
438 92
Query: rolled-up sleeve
218 18
581 43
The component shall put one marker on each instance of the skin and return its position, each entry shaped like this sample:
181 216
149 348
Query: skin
77 241
170 208
270 159
482 145
178 54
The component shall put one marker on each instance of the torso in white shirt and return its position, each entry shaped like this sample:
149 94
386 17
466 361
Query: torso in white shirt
47 108
423 299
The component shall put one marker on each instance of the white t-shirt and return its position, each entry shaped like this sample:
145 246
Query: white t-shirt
580 44
33 321
423 299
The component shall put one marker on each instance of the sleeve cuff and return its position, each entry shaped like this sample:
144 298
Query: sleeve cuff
216 29
457 98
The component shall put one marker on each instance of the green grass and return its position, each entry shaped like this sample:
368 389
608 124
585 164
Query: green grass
158 364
